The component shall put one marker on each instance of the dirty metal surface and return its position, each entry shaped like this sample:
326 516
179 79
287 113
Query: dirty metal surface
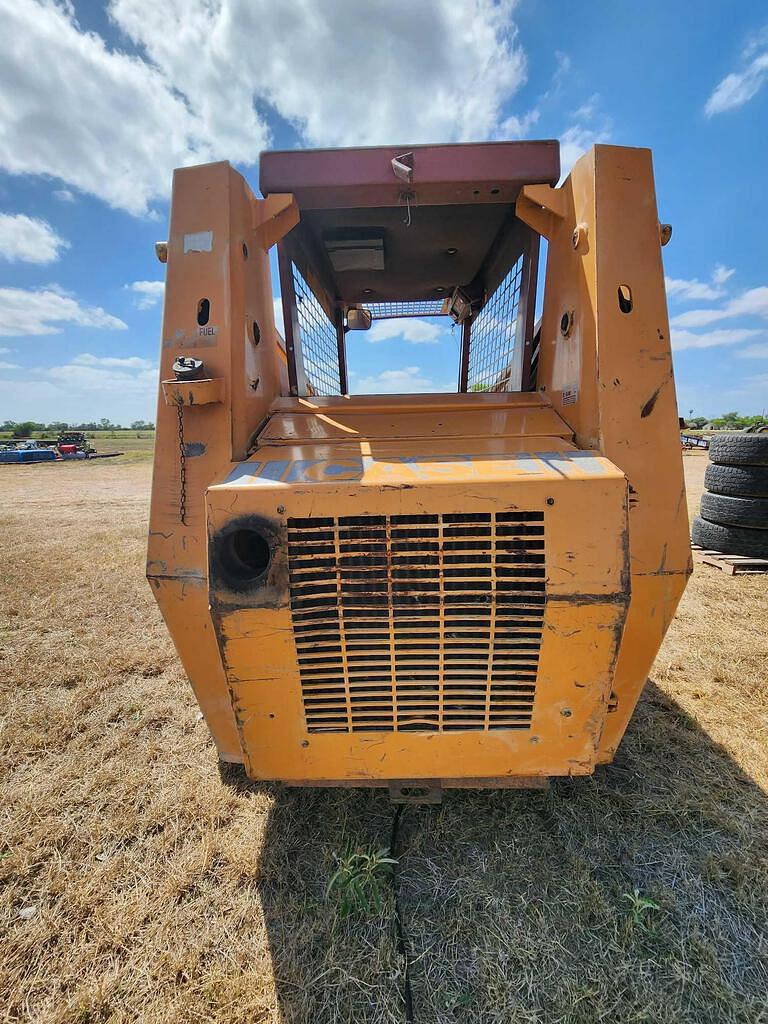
418 622
385 658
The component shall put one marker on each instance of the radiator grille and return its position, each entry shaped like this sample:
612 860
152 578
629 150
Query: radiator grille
420 622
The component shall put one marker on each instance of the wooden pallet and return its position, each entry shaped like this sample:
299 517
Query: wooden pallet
733 565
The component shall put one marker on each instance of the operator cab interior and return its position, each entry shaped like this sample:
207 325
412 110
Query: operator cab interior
429 231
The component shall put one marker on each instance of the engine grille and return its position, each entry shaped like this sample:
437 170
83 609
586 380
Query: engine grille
418 623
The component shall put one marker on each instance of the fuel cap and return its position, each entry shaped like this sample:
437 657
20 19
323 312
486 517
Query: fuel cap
187 368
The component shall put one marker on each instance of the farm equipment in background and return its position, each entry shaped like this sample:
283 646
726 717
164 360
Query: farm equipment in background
71 442
71 445
26 452
427 590
694 441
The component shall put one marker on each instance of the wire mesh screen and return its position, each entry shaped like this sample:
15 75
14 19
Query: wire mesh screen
496 338
392 310
317 350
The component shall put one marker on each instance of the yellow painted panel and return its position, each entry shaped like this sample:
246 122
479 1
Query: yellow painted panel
184 606
340 424
595 453
654 600
569 711
582 501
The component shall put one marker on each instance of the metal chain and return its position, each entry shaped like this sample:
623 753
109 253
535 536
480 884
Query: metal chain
182 466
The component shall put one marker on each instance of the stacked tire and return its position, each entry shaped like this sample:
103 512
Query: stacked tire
734 510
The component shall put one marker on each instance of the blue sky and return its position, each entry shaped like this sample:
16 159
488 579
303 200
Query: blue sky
101 101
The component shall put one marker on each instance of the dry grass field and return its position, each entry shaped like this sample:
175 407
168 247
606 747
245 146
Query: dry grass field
140 883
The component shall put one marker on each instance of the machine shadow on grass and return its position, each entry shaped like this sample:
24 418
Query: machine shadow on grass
637 894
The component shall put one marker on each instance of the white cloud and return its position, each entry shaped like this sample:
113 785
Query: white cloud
44 310
682 288
96 119
739 87
413 330
389 69
64 195
98 378
759 351
406 381
589 110
88 387
114 125
28 239
5 351
562 70
148 293
696 318
124 362
682 339
9 366
693 289
753 302
518 126
589 128
721 274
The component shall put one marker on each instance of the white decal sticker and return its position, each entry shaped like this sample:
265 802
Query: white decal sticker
198 241
571 395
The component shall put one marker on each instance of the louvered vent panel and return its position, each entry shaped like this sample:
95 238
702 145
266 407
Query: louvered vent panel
418 622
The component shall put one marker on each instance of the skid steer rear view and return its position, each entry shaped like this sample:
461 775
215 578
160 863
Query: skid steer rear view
430 590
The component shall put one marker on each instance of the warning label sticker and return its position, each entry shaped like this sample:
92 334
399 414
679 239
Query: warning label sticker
571 395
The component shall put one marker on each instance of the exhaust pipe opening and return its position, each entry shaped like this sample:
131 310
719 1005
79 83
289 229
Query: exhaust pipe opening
244 556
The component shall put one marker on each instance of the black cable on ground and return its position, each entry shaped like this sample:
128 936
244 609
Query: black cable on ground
402 947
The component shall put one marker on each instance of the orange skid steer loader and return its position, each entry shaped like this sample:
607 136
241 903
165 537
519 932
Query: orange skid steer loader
427 590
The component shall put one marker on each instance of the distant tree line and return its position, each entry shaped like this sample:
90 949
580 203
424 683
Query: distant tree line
728 421
29 427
